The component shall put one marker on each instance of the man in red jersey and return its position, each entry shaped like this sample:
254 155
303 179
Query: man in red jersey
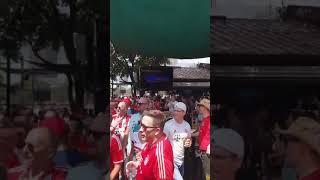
204 130
156 157
116 157
120 123
302 147
40 148
204 134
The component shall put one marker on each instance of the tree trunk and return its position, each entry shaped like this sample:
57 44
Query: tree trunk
131 71
8 86
102 59
79 90
70 90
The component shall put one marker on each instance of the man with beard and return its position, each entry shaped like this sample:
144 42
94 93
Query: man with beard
302 147
156 157
40 147
204 134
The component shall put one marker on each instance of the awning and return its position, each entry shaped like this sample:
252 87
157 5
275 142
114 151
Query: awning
191 84
170 28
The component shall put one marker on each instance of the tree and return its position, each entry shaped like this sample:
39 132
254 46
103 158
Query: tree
43 24
128 65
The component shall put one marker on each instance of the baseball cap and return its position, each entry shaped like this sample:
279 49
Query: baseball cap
204 102
180 105
305 129
55 124
127 101
229 140
142 101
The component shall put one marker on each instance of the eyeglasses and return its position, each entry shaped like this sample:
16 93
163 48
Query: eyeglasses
144 127
30 147
222 156
178 110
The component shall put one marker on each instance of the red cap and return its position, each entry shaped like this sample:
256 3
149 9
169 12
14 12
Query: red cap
55 124
127 101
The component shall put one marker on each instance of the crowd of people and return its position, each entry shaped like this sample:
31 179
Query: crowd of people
267 142
149 136
53 143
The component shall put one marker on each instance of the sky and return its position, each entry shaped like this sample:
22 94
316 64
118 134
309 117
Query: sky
255 8
189 62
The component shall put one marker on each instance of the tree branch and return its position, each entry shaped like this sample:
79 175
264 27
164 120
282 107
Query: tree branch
36 53
124 81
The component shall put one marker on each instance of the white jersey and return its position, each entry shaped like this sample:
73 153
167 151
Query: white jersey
177 133
137 144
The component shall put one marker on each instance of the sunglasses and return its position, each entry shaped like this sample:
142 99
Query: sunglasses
144 127
223 156
178 110
30 147
142 103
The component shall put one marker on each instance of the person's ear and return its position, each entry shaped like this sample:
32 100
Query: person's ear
157 132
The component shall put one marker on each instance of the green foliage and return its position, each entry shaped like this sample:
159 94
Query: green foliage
41 24
125 65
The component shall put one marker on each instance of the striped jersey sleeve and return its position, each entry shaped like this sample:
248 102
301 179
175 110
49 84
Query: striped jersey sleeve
163 168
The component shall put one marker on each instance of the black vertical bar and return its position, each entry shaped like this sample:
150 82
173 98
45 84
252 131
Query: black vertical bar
8 86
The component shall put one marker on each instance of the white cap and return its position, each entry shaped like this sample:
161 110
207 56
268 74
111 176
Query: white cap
229 140
180 105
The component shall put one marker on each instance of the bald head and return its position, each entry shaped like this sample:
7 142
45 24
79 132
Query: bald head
122 108
41 138
50 114
122 104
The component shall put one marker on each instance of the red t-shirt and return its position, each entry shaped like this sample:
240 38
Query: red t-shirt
204 134
116 151
157 161
314 176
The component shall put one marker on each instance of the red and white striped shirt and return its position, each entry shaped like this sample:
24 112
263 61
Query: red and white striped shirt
157 161
116 151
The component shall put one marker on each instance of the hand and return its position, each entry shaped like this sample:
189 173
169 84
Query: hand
37 177
131 166
116 122
208 149
138 156
187 143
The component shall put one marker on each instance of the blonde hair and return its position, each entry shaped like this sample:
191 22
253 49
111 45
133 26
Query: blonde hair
157 116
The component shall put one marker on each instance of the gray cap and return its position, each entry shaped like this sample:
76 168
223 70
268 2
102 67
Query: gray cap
229 140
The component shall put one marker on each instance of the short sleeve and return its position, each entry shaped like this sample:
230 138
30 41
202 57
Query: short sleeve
163 168
166 129
116 151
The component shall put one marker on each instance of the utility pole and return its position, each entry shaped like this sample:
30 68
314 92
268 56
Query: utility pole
8 85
